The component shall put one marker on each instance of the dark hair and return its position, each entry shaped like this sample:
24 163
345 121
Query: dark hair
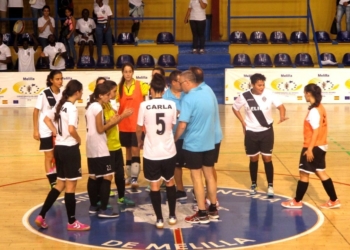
51 76
158 83
316 92
70 9
122 80
85 10
100 89
46 7
198 72
174 74
110 84
162 72
257 77
189 76
25 39
71 88
100 78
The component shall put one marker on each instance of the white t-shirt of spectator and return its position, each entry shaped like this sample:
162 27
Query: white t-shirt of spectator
3 5
137 3
41 23
26 60
51 52
105 2
4 53
197 13
39 4
103 13
15 4
86 27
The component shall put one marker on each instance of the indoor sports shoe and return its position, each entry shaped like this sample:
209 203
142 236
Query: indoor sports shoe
195 219
194 51
93 209
125 201
270 192
108 213
40 222
172 220
201 51
181 195
134 183
213 215
148 188
331 204
292 204
160 223
253 189
127 181
77 226
111 193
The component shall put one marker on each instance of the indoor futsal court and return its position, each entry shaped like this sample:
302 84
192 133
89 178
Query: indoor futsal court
245 221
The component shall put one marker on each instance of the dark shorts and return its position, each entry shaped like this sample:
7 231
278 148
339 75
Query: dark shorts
160 169
180 157
196 160
318 164
129 139
100 166
46 144
217 151
117 159
259 142
68 162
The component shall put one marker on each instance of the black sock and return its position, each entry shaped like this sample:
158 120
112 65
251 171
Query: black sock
52 179
135 159
269 172
135 28
301 190
93 191
69 200
329 187
202 213
171 194
120 182
212 207
253 169
104 193
128 162
50 200
156 203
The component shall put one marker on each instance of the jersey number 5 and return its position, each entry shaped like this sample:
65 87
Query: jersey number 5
160 121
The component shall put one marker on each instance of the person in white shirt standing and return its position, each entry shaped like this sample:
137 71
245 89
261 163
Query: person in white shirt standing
158 116
46 26
15 8
26 54
5 55
136 10
86 29
37 11
52 50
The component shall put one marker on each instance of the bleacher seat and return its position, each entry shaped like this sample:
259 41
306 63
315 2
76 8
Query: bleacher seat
69 62
167 61
298 37
328 59
145 61
7 39
122 59
262 60
105 62
86 62
238 37
258 37
343 37
278 37
282 60
41 64
303 60
346 59
125 38
241 60
165 38
322 37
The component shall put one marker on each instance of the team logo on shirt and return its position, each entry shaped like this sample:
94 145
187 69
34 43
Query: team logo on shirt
103 12
325 85
285 85
59 50
90 26
242 84
264 99
26 88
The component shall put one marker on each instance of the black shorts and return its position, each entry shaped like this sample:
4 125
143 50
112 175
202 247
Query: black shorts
100 166
154 170
46 144
259 142
129 139
117 159
196 160
318 164
68 162
180 157
217 151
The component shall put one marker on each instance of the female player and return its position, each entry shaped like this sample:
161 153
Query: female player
67 155
313 154
46 101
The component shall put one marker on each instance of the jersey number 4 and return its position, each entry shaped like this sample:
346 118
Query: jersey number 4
160 121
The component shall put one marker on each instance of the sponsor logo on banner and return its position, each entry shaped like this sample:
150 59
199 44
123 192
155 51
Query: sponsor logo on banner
284 84
15 101
27 87
300 98
3 90
336 98
242 84
4 102
325 84
347 98
80 101
347 84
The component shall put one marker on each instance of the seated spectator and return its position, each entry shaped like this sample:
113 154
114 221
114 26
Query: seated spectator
3 14
86 29
343 7
67 34
52 50
46 26
5 55
26 54
15 8
37 11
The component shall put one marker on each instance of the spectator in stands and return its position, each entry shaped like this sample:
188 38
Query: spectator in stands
196 15
5 55
3 14
136 10
46 26
67 34
55 54
86 29
343 7
103 28
106 2
61 8
37 11
15 8
26 54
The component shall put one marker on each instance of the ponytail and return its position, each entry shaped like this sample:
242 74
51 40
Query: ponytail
60 104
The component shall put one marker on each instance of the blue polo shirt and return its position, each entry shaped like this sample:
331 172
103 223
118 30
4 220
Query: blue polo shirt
218 131
198 111
168 95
